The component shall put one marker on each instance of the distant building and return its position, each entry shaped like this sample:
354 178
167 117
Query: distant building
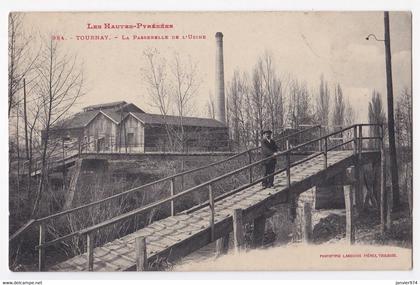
124 127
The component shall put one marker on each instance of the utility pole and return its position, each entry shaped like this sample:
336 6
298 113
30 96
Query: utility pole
391 130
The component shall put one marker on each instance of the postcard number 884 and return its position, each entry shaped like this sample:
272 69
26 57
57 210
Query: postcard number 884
57 38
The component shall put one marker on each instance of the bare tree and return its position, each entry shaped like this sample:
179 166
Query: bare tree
404 136
32 132
349 114
21 62
273 92
184 87
236 93
376 115
339 107
23 55
172 83
299 105
257 103
247 129
156 79
59 85
404 122
342 114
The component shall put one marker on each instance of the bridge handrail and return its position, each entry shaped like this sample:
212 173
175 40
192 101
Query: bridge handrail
316 154
135 189
144 186
22 229
75 146
209 182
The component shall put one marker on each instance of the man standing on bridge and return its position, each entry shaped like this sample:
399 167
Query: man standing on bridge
268 148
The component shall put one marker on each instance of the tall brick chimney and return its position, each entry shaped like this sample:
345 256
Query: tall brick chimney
220 108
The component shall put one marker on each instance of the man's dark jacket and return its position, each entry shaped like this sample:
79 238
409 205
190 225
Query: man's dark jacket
268 148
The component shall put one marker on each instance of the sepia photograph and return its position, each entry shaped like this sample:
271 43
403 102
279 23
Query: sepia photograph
210 141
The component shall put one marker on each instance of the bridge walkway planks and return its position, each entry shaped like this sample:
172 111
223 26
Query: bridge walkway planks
183 233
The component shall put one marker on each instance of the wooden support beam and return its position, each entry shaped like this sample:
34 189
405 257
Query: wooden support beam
222 245
344 178
348 199
223 226
358 185
238 230
41 249
281 223
258 233
317 179
307 223
383 188
141 254
90 244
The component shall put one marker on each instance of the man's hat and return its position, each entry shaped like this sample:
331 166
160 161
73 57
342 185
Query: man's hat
267 132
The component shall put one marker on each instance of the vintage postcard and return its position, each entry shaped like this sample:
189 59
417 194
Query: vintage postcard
210 141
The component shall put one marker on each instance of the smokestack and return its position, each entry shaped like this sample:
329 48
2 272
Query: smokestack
220 112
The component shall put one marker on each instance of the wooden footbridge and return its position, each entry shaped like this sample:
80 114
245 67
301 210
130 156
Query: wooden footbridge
223 212
66 156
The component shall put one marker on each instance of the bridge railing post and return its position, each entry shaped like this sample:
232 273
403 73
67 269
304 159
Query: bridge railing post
172 192
41 249
355 140
358 171
141 254
320 141
299 138
182 181
211 204
307 223
250 169
89 250
348 201
325 152
238 230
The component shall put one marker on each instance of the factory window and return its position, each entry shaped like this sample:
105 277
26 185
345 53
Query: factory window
130 139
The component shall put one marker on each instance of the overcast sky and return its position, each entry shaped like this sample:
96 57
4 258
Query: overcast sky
304 45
